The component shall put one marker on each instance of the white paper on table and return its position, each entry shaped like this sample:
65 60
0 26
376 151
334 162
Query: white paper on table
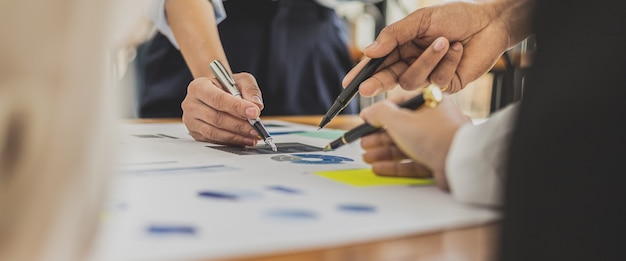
160 180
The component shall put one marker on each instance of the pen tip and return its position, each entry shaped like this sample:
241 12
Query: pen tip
327 148
270 142
325 121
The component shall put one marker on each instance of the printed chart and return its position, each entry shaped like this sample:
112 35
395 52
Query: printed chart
175 198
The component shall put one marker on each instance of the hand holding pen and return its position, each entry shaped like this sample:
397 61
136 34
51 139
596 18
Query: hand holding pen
229 83
348 94
414 143
212 114
430 97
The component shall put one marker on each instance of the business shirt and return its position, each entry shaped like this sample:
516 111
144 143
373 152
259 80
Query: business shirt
156 13
564 190
475 166
296 49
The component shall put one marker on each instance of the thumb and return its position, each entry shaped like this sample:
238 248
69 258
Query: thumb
249 89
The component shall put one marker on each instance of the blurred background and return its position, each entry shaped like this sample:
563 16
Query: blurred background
501 86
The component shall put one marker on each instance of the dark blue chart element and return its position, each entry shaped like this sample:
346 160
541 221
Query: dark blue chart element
285 190
217 195
168 230
292 214
229 194
312 159
356 208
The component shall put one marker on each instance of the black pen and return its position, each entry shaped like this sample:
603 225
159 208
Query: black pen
351 90
430 97
229 83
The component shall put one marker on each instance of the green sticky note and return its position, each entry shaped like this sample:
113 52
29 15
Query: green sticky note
325 134
367 178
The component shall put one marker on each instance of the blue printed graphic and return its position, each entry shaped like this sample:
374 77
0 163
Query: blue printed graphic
312 159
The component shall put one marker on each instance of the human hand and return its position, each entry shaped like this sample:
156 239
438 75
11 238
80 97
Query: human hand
212 114
418 56
424 136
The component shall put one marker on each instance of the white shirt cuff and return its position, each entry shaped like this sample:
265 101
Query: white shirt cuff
475 165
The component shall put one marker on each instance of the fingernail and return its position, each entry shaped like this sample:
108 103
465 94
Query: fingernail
257 99
372 45
456 46
439 44
251 112
253 133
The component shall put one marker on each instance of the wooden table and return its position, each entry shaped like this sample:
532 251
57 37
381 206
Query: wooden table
476 243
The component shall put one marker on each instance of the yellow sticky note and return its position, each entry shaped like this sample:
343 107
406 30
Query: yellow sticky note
367 178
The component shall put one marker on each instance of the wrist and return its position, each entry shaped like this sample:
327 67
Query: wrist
515 17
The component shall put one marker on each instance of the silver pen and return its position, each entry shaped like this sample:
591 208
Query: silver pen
227 81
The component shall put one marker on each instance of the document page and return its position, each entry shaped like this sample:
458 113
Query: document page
175 198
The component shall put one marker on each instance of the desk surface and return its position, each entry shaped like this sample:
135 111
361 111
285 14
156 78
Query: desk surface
467 244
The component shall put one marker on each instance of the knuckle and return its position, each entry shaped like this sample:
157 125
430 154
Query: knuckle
438 80
219 119
247 76
196 84
193 85
245 79
389 30
243 127
209 133
197 136
218 100
186 119
407 83
185 104
392 74
239 107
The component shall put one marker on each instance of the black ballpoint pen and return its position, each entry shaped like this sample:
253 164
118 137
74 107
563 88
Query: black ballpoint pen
351 90
431 96
229 83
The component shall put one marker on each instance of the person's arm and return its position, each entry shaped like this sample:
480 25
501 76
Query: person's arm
156 13
475 165
194 28
209 113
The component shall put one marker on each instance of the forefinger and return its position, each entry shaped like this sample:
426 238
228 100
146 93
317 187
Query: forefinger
418 73
376 139
221 100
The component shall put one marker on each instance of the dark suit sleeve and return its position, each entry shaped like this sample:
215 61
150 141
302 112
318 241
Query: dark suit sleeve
565 189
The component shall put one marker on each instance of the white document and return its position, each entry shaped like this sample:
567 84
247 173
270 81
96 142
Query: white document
179 199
